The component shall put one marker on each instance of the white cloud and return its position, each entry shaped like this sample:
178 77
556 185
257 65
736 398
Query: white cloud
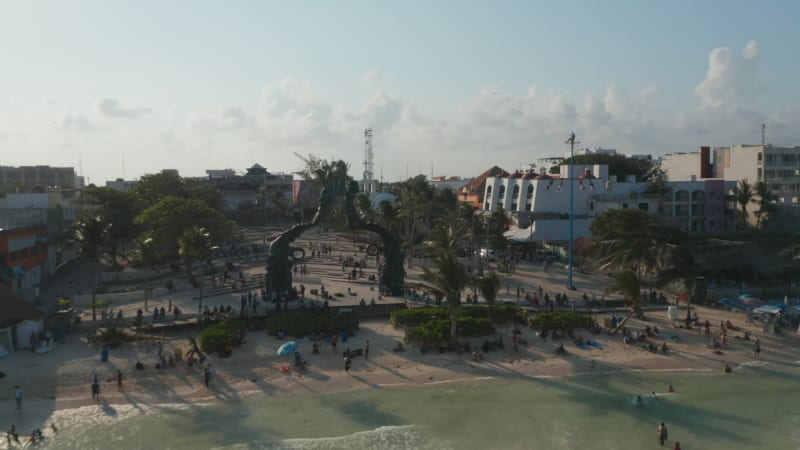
372 77
730 76
79 122
381 112
112 107
290 110
230 118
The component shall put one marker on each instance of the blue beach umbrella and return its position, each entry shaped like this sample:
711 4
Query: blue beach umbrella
287 348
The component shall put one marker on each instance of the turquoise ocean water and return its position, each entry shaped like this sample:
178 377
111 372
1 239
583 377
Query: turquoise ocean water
756 407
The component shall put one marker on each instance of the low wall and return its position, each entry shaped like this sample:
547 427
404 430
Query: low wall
130 275
118 297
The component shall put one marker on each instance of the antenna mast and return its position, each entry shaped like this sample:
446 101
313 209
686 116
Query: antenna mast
368 176
763 134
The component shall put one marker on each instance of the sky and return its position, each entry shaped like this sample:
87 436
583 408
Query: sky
118 89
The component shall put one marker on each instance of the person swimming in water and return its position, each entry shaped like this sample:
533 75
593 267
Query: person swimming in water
671 389
638 400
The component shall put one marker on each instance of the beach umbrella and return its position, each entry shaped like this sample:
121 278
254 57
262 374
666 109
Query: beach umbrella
287 348
751 302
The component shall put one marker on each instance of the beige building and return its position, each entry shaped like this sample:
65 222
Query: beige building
779 167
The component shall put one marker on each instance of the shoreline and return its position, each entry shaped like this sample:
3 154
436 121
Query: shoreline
255 370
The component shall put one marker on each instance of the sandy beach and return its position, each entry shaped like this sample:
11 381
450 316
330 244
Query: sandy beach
61 379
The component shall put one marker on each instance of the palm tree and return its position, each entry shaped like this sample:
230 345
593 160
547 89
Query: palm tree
279 203
628 284
633 240
196 245
629 238
92 238
473 230
489 285
450 277
744 195
766 203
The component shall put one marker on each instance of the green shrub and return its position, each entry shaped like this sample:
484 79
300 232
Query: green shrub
217 337
304 323
418 316
556 320
438 331
112 337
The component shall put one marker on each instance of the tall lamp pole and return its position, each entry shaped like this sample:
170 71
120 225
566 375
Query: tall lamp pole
571 141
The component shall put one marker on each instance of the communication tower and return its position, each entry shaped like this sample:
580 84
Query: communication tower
368 176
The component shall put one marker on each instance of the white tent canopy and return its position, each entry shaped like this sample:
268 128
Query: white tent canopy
554 230
767 309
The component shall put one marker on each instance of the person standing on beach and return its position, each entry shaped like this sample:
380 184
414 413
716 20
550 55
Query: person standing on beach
662 433
119 380
347 363
757 350
18 396
160 349
207 377
12 434
366 351
333 343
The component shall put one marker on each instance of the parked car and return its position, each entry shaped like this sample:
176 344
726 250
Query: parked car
488 254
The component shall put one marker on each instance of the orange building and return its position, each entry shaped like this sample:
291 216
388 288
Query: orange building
23 257
473 191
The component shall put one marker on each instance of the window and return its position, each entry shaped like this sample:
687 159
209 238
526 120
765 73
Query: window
13 256
501 193
515 192
530 191
682 196
624 206
697 196
644 206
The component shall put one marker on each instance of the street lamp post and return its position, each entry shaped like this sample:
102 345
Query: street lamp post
571 141
147 243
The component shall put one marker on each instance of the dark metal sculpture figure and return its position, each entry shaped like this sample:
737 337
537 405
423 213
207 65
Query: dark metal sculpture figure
281 253
392 274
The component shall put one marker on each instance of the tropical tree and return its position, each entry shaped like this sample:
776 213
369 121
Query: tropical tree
766 204
196 245
279 202
657 185
450 277
152 188
633 240
364 207
628 284
497 225
171 217
118 208
744 196
473 230
92 239
489 285
415 209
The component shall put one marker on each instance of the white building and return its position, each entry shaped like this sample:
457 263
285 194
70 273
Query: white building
121 185
541 203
